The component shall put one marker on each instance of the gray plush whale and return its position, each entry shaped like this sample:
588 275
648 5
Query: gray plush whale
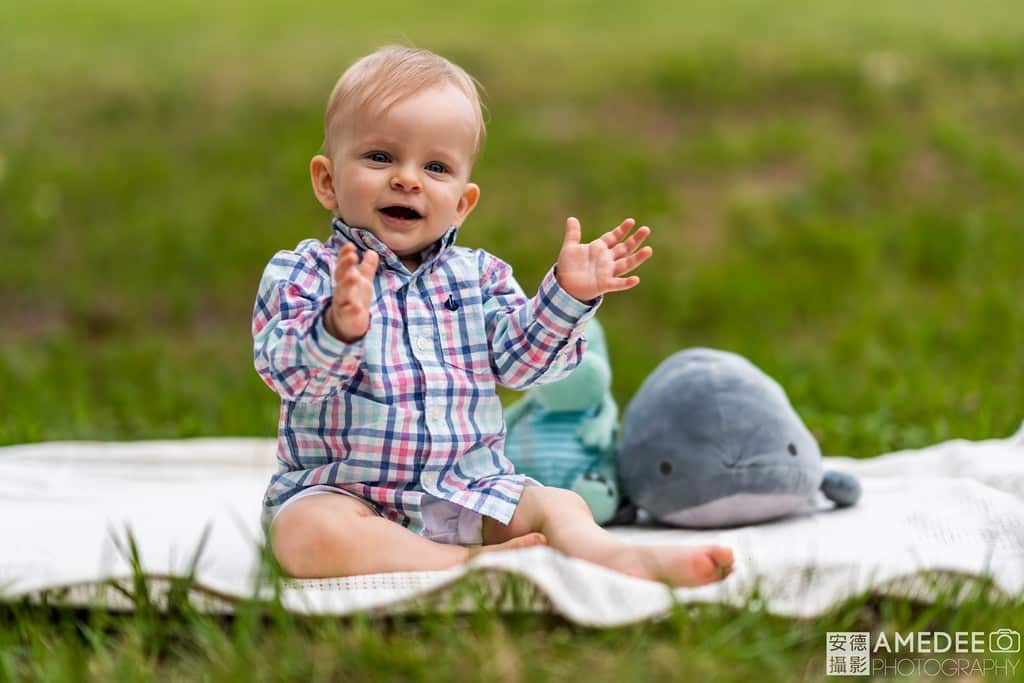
711 441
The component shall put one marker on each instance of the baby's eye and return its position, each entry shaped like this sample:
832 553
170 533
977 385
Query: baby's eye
379 157
436 167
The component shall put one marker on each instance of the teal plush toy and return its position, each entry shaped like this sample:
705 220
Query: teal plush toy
562 434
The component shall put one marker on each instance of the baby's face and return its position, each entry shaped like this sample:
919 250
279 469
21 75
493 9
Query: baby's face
404 175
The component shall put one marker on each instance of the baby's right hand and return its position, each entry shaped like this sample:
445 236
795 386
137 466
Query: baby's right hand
348 318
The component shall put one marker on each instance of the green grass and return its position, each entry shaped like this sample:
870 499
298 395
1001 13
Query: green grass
262 641
835 192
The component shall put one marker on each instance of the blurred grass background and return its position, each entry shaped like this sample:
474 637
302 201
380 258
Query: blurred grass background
835 190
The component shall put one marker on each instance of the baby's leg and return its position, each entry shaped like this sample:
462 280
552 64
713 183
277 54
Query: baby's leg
565 520
337 535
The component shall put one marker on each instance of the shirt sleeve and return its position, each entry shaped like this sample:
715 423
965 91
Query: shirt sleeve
292 350
531 341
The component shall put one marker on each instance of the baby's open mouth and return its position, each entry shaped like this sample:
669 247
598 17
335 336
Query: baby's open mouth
403 212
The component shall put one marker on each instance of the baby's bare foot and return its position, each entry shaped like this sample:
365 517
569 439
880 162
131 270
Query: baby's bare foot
678 565
524 541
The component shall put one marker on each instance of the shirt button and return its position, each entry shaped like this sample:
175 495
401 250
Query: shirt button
423 344
435 413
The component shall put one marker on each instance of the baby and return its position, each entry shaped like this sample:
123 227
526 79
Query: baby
385 344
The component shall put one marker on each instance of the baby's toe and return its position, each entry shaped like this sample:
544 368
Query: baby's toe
721 556
536 538
528 540
714 563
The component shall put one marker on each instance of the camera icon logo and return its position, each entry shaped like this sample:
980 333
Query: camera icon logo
1004 640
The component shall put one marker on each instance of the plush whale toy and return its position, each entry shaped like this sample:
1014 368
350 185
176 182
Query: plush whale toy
710 440
562 434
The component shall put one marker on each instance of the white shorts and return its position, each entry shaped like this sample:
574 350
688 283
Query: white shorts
443 522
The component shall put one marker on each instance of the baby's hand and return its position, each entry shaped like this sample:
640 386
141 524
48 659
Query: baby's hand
348 318
587 271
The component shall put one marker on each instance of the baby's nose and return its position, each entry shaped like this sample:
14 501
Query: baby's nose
405 181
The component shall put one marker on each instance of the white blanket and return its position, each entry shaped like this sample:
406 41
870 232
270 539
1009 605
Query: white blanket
926 517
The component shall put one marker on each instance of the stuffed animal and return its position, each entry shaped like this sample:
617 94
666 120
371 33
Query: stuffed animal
562 434
712 441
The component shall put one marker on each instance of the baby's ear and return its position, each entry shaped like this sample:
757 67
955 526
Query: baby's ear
467 202
323 182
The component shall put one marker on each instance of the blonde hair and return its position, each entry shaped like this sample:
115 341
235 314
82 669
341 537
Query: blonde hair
383 78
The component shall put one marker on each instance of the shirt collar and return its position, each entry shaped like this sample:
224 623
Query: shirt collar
364 239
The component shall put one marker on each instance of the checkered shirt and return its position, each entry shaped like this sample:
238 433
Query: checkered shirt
411 408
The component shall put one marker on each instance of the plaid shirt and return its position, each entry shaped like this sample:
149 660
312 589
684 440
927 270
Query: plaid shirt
411 408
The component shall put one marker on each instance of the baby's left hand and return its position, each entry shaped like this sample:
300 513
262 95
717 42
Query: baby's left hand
586 271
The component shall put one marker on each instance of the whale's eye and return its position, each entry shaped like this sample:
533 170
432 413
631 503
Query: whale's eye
792 449
665 467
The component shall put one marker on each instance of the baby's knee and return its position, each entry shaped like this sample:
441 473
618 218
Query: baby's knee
294 538
556 502
305 535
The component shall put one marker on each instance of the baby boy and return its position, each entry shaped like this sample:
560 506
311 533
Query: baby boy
385 344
